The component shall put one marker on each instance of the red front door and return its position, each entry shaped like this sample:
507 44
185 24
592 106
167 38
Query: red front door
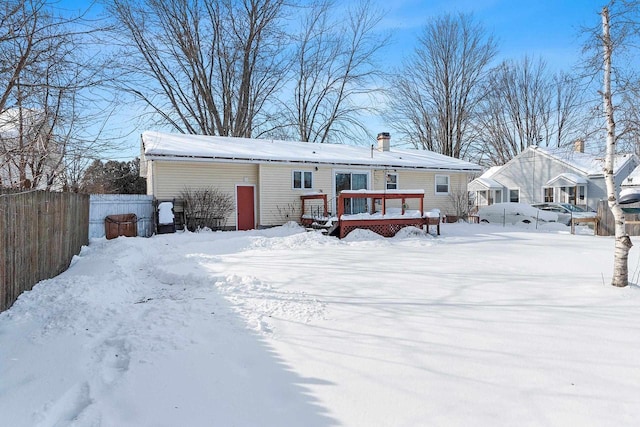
245 207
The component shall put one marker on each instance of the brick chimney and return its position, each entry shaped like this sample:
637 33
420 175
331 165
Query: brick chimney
579 146
384 139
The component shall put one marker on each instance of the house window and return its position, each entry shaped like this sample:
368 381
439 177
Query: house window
302 180
497 196
568 195
483 198
581 194
442 184
392 181
514 195
548 195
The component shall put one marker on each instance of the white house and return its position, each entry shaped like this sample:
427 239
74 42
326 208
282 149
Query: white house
266 177
29 156
567 175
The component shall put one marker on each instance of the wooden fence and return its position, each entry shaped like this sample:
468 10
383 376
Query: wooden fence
607 223
40 232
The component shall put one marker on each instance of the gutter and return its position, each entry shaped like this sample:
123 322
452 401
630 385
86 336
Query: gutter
303 162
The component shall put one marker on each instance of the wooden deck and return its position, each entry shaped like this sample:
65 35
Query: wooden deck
389 226
383 224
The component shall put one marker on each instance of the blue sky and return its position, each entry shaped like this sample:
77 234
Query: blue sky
549 29
539 28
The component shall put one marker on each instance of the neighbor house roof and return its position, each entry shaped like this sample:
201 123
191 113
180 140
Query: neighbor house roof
633 180
566 179
481 183
181 147
585 163
490 172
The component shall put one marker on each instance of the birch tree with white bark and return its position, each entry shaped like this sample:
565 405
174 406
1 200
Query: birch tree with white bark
626 26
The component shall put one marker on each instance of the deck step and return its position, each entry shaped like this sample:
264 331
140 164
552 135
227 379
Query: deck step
334 230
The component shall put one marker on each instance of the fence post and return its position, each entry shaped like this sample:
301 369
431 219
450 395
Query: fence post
607 224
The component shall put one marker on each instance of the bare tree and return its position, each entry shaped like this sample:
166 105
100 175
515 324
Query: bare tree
43 75
336 70
435 95
206 67
526 105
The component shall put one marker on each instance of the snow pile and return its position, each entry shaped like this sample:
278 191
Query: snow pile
484 325
165 213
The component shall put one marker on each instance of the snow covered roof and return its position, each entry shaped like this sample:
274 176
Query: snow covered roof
586 163
633 180
166 146
566 179
482 183
490 172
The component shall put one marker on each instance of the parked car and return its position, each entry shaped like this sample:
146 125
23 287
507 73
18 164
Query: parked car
565 211
514 213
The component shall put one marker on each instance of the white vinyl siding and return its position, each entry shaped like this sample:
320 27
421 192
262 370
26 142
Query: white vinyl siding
171 178
277 197
419 180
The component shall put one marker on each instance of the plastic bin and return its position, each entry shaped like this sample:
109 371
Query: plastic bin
121 225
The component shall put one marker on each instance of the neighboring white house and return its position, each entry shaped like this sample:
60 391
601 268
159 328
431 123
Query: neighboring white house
567 175
267 177
29 156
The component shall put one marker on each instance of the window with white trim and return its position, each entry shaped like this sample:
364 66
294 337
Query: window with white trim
442 184
302 180
548 194
392 181
514 195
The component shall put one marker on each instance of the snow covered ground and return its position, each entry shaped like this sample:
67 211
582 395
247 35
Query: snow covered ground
481 326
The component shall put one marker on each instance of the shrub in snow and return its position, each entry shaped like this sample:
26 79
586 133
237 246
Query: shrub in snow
206 208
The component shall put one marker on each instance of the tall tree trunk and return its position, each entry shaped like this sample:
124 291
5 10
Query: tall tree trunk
622 239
